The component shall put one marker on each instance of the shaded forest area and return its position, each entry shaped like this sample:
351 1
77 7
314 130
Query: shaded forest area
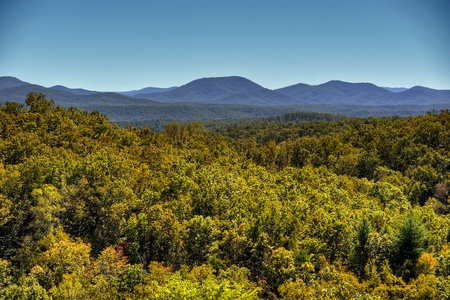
346 209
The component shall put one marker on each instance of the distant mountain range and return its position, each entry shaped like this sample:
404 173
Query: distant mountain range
234 96
241 91
395 89
145 91
223 90
82 92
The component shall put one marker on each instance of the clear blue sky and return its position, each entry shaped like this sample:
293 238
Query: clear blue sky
121 45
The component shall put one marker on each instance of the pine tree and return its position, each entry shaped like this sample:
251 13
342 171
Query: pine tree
360 253
409 245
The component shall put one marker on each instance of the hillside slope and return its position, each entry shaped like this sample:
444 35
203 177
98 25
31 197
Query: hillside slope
345 93
223 90
233 96
10 82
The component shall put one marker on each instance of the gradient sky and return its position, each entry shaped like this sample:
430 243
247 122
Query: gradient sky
120 45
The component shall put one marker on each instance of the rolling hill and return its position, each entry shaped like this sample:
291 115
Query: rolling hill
66 98
74 91
236 97
120 108
344 93
148 90
11 82
223 90
241 91
421 96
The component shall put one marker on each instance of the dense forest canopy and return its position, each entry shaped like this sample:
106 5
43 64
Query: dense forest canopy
325 209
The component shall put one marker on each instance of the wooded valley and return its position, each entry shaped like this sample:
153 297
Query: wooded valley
296 207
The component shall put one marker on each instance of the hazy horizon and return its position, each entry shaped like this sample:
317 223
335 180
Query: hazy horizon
170 87
111 46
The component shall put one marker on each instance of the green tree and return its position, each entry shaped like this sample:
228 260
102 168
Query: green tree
202 233
70 288
409 245
280 266
47 210
426 179
5 209
360 255
5 273
38 103
27 288
63 255
129 277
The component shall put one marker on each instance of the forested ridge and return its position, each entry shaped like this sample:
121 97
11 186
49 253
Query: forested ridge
353 208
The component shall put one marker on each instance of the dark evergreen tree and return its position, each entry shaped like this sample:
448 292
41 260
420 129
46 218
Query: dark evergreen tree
409 245
360 255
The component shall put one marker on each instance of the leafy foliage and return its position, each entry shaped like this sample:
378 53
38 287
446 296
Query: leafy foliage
331 209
